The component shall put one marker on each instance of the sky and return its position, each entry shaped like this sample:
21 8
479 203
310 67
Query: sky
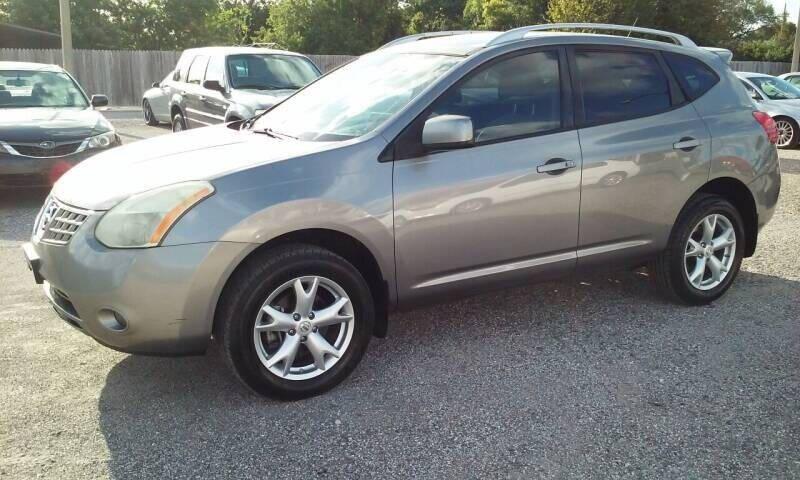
792 7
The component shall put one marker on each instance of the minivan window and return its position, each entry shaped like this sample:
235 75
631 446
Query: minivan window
356 98
511 98
694 77
216 69
198 69
621 85
270 72
775 88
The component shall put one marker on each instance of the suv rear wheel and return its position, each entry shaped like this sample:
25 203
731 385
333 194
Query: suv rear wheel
704 253
295 321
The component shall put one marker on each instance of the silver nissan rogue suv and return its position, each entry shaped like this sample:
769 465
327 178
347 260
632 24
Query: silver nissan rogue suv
441 164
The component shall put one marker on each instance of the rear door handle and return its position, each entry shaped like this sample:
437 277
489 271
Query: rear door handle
687 144
555 166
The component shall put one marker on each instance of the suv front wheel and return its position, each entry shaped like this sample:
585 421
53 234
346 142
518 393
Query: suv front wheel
295 321
704 253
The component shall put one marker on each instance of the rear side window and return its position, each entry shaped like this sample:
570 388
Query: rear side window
198 69
514 97
621 85
694 77
182 68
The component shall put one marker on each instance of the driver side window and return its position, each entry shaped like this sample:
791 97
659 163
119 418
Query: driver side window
515 97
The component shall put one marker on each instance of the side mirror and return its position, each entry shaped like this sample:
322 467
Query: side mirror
99 100
156 84
213 85
754 95
448 131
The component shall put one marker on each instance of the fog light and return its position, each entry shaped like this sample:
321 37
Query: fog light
112 320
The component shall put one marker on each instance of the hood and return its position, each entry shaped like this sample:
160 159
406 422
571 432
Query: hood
31 125
105 179
259 99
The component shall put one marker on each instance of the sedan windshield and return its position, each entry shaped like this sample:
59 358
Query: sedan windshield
355 99
776 89
270 72
21 89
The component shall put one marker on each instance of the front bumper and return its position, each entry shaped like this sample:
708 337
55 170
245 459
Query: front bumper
156 301
17 170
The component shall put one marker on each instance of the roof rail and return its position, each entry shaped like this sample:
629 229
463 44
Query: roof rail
519 33
425 36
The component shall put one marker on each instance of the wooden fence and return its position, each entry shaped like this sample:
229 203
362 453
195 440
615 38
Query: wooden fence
124 75
770 68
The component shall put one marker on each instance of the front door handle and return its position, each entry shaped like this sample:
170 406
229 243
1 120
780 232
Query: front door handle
555 166
687 144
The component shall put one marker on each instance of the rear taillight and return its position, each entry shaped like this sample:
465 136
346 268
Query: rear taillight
768 124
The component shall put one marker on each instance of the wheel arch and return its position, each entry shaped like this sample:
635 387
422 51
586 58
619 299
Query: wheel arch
342 244
736 192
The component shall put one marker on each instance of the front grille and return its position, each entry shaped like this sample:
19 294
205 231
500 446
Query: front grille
60 150
57 223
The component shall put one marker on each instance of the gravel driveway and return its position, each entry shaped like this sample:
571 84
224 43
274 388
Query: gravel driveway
593 377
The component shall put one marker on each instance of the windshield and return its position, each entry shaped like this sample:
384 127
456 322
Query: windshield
270 72
775 88
20 89
355 99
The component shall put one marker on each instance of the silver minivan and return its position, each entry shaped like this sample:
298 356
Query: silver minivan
439 165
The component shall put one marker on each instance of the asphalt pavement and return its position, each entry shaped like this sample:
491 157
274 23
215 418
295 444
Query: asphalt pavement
593 377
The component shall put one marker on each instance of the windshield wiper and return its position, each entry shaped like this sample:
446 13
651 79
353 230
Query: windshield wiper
274 134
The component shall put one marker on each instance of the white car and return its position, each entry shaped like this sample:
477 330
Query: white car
791 77
155 102
780 99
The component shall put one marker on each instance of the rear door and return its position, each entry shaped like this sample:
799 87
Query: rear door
194 108
645 151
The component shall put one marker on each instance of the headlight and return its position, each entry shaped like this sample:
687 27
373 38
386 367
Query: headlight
144 219
104 140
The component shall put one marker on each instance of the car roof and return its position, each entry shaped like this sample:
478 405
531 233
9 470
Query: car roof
238 51
30 66
465 44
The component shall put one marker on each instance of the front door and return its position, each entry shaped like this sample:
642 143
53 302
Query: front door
499 211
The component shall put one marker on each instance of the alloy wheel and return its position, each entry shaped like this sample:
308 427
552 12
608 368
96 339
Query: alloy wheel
710 252
304 328
148 113
785 132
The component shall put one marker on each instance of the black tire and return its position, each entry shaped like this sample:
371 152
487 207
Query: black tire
178 123
147 111
795 132
250 286
669 271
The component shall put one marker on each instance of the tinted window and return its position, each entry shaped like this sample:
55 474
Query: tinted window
198 69
693 75
517 96
216 69
621 85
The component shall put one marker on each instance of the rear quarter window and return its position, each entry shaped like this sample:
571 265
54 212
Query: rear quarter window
694 76
621 85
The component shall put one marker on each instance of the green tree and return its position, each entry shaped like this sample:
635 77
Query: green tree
433 15
503 14
333 26
92 25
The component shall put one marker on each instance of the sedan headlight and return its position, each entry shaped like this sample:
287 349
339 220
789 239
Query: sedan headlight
104 140
143 220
